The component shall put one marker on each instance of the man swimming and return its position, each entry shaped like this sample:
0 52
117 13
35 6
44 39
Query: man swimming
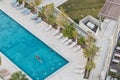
38 58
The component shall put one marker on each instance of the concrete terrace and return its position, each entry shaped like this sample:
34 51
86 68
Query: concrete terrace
65 73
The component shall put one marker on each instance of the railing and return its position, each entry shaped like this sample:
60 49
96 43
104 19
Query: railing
80 31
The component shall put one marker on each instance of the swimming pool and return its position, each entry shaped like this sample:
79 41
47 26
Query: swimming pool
21 47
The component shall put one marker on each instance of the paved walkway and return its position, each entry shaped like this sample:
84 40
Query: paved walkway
106 43
65 73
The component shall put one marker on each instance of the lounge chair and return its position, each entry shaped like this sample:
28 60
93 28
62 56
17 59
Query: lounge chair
49 28
118 48
77 48
64 40
73 44
24 10
38 20
27 12
108 78
16 4
34 17
68 42
115 79
20 7
13 2
79 71
59 36
113 70
80 66
4 72
117 55
56 32
115 61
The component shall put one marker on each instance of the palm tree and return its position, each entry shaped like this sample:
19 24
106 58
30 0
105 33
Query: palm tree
48 11
90 65
75 34
90 51
35 4
18 76
81 41
90 39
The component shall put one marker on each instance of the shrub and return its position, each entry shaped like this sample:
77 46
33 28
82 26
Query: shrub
51 19
81 40
90 65
18 76
112 74
118 43
76 20
69 32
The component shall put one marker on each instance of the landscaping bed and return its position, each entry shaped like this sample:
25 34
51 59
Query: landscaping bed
77 9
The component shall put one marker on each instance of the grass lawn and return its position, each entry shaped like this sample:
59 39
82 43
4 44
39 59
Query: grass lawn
77 9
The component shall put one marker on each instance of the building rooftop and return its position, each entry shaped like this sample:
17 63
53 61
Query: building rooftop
111 9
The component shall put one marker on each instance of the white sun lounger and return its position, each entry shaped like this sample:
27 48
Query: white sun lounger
118 55
115 79
113 70
79 71
56 32
118 48
68 42
20 7
115 61
59 36
64 40
77 48
73 44
38 20
49 28
27 12
24 10
34 17
13 2
80 66
108 78
15 5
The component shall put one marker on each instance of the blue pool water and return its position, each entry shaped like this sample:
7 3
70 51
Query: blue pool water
21 47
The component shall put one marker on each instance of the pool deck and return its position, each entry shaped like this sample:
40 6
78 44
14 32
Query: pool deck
9 66
74 58
4 65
